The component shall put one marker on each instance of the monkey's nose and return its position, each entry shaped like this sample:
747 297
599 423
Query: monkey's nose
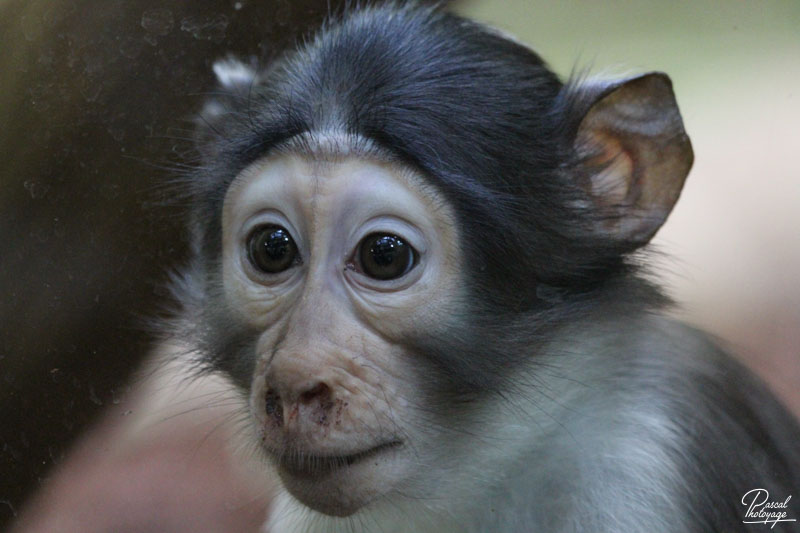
309 404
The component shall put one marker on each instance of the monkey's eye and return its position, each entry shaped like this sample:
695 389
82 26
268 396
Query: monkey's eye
385 256
271 249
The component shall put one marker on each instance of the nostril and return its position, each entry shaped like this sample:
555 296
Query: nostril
313 404
274 407
318 393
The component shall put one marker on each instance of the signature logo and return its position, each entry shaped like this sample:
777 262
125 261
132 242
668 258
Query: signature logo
762 510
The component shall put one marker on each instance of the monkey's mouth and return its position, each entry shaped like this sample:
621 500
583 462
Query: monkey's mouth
302 465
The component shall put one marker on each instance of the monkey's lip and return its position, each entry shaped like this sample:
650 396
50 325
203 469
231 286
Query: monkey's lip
308 466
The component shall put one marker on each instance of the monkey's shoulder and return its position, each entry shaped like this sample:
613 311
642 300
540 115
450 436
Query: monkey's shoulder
670 432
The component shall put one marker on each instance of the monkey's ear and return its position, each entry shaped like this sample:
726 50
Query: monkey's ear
635 156
235 81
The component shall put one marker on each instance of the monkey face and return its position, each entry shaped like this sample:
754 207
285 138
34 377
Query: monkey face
333 259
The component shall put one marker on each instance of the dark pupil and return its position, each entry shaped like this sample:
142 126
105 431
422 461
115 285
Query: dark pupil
385 256
272 249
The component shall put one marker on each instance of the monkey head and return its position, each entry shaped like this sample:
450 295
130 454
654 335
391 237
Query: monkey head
393 220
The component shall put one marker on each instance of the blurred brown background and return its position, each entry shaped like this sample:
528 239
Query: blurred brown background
96 100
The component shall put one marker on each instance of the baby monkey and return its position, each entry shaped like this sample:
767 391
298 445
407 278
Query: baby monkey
416 261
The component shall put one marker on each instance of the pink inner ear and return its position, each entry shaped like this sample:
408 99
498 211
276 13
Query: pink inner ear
610 186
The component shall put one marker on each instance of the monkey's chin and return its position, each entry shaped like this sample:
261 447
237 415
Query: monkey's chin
340 485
